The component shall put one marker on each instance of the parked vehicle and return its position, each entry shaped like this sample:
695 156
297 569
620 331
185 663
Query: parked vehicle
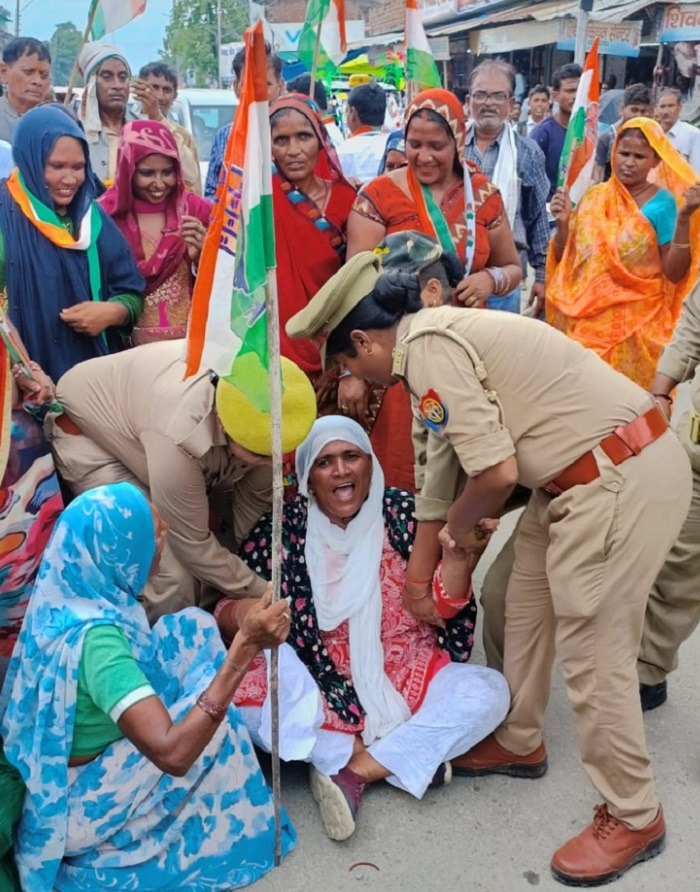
203 112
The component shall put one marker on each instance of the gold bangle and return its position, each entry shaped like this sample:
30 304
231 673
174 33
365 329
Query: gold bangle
235 666
677 245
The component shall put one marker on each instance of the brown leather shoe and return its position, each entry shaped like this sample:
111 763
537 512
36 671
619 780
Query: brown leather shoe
489 757
606 849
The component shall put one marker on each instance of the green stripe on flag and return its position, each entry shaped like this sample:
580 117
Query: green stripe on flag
421 68
256 251
575 135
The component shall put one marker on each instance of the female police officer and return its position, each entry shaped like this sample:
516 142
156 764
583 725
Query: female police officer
519 402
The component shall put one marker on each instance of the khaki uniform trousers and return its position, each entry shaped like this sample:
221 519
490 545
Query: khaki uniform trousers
83 465
673 609
584 564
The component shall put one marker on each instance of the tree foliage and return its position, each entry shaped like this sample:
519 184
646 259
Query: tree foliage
64 46
190 38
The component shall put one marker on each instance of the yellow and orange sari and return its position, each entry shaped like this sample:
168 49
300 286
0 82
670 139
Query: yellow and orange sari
608 291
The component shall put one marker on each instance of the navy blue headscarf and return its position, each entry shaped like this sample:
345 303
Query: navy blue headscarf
42 278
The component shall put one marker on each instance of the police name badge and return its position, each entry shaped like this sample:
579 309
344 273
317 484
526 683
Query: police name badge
433 411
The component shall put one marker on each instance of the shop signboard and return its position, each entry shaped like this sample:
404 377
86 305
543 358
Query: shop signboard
616 39
465 7
522 36
437 10
285 35
680 23
440 48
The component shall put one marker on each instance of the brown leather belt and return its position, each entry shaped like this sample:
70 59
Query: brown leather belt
67 425
624 442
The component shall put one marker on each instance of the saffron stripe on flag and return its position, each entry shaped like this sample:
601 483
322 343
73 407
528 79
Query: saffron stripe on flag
227 330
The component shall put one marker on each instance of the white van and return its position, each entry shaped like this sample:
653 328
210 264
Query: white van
203 112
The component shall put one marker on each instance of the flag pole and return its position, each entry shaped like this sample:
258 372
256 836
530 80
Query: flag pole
74 73
314 63
273 348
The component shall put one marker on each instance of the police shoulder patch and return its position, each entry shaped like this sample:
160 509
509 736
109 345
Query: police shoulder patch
433 411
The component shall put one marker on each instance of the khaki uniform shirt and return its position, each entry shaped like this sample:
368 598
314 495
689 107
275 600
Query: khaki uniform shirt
681 356
137 407
544 398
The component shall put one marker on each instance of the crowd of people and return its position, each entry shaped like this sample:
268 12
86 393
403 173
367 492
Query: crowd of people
136 617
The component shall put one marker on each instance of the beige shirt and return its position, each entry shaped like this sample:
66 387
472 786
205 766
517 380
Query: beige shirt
544 398
189 156
681 355
165 430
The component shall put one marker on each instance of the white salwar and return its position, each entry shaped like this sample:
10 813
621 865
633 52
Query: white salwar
463 704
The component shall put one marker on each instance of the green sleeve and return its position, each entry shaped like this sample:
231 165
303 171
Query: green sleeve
133 304
109 674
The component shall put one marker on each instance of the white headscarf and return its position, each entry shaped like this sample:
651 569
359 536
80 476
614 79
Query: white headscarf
91 57
344 569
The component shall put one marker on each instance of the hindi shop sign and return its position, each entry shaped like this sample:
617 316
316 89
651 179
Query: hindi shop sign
680 23
621 39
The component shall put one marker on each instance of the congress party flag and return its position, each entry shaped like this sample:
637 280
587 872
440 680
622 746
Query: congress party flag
420 65
578 154
108 15
330 42
227 330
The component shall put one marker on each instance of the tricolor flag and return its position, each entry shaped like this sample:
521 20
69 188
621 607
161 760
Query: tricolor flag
112 14
227 330
332 45
420 65
578 154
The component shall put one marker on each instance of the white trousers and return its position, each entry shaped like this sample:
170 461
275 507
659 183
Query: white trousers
463 704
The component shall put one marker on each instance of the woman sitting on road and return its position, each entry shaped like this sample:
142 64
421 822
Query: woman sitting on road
369 692
136 766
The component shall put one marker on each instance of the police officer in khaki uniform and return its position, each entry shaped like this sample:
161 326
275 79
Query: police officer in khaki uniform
133 416
673 609
520 402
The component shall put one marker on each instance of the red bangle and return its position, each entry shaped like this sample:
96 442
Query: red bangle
447 607
214 710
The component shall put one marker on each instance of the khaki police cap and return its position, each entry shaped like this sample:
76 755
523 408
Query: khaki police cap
341 294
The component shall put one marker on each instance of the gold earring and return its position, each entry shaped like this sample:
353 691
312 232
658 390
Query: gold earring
368 351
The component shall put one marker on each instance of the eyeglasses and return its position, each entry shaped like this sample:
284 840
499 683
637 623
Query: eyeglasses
497 98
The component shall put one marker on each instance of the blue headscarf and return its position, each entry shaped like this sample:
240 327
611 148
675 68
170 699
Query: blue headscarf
94 568
42 279
395 142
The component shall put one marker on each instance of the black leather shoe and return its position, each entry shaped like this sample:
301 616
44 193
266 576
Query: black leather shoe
652 695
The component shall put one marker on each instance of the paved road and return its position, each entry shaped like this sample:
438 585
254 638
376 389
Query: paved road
497 834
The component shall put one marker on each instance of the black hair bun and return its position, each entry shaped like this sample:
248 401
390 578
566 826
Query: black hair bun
454 269
397 291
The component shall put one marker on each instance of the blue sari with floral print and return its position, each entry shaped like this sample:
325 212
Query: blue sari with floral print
119 822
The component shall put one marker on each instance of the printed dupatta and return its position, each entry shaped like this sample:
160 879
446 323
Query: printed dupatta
446 105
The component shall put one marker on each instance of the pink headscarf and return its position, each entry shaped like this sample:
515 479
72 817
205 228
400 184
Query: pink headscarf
138 140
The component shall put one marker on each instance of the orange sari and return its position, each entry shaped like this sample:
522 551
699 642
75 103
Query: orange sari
608 291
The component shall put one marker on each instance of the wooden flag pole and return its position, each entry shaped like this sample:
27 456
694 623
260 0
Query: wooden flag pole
86 34
314 63
273 348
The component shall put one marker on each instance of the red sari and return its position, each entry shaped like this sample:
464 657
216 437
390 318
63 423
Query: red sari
309 241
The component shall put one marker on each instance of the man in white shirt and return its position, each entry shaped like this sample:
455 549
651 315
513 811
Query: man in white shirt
362 152
684 137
